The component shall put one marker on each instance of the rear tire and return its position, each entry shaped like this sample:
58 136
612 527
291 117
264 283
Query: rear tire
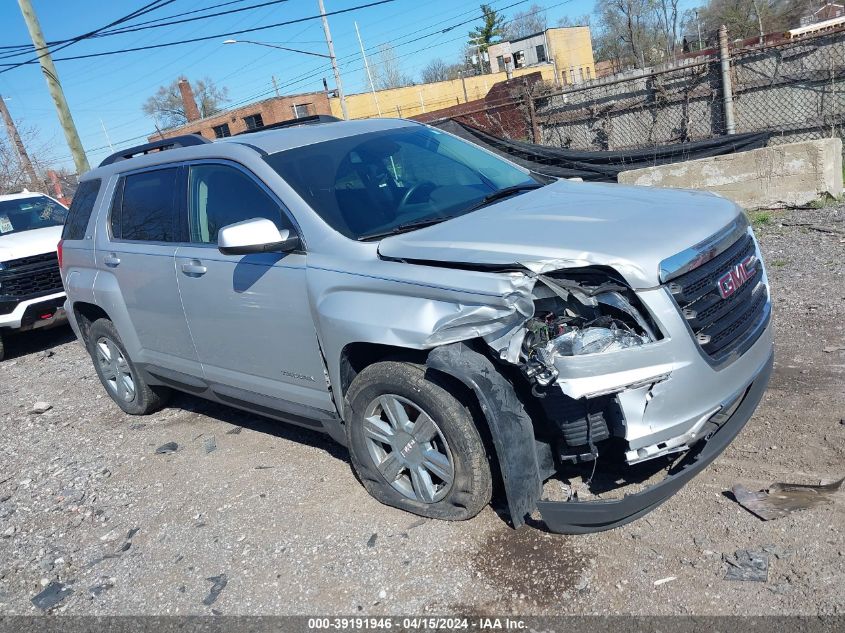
414 446
122 381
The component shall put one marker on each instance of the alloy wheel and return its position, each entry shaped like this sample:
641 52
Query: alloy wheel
408 448
115 370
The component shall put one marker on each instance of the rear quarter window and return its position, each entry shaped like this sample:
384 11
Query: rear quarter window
80 209
145 206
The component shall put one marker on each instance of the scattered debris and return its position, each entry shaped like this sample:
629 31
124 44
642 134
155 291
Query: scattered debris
834 348
220 583
583 582
372 541
235 431
778 552
96 590
748 566
663 581
40 407
164 449
52 595
264 467
781 500
47 353
209 444
137 426
132 533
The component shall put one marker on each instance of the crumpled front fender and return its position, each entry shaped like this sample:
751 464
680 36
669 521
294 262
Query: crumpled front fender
510 426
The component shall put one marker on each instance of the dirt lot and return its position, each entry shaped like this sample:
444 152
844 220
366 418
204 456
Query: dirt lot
273 521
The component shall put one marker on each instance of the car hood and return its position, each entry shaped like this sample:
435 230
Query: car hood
28 243
571 224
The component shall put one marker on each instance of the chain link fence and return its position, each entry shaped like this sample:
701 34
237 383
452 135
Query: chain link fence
793 89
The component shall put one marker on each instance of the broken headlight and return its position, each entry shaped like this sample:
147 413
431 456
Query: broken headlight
577 313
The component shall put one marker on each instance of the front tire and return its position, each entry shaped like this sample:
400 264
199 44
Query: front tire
118 374
414 446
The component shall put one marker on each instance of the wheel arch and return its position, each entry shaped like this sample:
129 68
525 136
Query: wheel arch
504 424
86 314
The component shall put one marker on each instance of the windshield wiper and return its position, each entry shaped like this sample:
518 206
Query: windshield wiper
404 227
505 192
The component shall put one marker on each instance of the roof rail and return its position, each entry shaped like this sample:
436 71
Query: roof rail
305 120
185 140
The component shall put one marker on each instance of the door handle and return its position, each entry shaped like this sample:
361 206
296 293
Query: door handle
111 260
194 268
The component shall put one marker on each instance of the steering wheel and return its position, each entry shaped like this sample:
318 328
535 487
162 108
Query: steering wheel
423 185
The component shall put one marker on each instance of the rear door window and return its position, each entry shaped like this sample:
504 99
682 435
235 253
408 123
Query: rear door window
81 209
146 206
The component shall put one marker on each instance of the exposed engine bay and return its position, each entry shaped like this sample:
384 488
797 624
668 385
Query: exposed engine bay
579 316
577 312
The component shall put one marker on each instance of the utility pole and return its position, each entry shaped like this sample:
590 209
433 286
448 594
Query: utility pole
16 139
367 66
55 87
330 44
727 86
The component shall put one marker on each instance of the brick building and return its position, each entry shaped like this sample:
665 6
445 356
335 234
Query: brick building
248 117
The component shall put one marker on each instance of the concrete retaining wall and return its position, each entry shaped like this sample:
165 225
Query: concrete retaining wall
792 174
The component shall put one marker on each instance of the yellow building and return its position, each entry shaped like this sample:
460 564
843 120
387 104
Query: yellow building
569 50
413 100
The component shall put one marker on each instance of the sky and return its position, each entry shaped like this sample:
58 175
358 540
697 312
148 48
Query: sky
105 94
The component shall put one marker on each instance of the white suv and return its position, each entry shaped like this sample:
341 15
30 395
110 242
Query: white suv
31 293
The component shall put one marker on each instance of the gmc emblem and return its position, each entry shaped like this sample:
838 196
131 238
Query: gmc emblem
733 280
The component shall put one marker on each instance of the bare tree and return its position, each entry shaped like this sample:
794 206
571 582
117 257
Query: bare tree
749 18
668 17
629 32
166 104
13 176
387 71
524 23
568 21
439 70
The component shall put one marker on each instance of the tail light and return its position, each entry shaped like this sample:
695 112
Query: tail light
59 252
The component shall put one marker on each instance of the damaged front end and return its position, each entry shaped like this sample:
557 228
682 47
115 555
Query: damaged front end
607 384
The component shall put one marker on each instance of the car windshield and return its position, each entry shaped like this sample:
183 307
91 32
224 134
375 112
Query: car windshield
371 185
25 214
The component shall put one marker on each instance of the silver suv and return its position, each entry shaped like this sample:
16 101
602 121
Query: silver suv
456 321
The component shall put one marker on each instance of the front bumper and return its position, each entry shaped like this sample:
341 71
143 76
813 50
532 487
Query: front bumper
36 313
579 517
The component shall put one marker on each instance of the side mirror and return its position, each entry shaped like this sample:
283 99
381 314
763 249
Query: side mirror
257 235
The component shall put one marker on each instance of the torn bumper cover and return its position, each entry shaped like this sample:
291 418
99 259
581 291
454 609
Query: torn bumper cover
580 517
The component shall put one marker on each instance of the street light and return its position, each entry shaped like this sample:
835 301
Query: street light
296 50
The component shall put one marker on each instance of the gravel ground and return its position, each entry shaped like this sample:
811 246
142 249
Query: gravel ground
272 521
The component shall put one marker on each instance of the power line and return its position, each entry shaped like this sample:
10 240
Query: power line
348 59
29 47
8 67
353 57
44 50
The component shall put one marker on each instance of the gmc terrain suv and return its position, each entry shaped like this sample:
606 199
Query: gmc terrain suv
31 294
454 320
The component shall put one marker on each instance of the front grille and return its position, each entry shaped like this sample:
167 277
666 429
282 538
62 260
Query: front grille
723 326
30 277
